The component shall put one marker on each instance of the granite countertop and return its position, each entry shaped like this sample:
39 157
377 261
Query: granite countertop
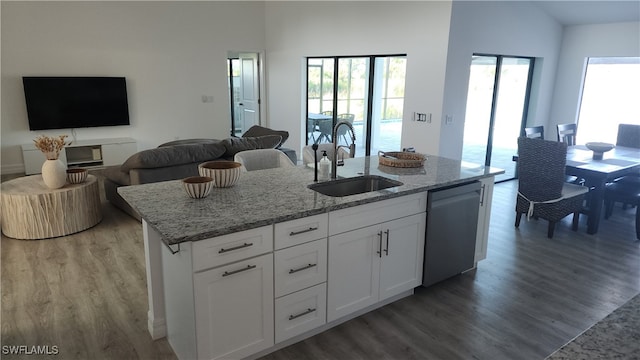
266 197
617 336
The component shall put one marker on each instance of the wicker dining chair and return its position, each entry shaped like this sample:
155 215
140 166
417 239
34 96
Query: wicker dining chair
542 190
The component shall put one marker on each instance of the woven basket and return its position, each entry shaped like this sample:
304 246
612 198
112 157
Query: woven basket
401 159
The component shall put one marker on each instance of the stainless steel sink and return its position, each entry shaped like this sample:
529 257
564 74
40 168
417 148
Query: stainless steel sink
354 185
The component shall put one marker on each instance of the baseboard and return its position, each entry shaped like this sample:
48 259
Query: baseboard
157 327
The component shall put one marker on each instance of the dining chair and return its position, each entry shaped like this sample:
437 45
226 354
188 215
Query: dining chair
626 193
567 133
308 156
542 190
534 132
628 136
325 126
260 159
312 127
342 131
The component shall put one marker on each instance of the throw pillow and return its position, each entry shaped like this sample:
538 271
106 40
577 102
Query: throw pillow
173 155
234 145
257 130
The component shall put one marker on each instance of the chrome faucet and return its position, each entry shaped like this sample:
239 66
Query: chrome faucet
352 147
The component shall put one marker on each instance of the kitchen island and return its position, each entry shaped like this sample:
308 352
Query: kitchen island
256 231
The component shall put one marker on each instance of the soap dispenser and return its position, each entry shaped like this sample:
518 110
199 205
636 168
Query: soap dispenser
325 166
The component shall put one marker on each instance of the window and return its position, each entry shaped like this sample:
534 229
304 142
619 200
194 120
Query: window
369 94
609 97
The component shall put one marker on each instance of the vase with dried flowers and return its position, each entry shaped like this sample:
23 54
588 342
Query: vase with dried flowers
54 171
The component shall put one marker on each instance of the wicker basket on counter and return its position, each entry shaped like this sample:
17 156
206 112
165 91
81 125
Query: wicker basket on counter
401 159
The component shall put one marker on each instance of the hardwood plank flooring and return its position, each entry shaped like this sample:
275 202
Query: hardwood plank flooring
86 294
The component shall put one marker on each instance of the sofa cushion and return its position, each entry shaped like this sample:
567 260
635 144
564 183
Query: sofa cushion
257 130
234 145
116 175
189 141
174 155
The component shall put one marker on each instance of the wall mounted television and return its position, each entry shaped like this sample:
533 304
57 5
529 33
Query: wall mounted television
75 102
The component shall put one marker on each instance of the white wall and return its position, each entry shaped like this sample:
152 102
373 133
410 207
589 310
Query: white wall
500 28
295 30
579 43
171 53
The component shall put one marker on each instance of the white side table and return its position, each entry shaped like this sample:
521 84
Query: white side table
31 211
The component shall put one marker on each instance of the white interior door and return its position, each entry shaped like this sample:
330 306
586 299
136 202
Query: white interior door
249 101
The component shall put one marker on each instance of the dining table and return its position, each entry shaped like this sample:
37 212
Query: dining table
323 123
615 163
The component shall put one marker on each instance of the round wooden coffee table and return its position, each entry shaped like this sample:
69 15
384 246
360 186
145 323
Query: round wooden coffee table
31 211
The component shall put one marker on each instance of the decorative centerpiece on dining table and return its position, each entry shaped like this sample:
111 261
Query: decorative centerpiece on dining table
599 148
54 171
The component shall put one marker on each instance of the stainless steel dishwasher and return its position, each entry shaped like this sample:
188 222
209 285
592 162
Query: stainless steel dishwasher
452 221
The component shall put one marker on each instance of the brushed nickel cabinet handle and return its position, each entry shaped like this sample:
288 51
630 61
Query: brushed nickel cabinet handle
235 248
308 311
379 252
293 233
386 251
292 271
249 267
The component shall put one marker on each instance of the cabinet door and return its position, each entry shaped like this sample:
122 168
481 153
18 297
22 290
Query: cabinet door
234 309
484 217
118 153
402 254
354 266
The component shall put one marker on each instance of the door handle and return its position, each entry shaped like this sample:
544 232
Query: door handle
379 252
223 250
482 191
386 251
303 231
293 271
249 267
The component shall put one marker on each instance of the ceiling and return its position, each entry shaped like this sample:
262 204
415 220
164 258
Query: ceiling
591 12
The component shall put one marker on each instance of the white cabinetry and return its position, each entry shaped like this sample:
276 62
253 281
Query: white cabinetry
219 295
383 259
300 275
234 309
83 153
484 218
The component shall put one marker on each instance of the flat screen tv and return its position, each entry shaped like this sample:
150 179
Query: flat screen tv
75 102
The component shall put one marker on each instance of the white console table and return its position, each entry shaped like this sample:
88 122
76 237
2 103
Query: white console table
83 153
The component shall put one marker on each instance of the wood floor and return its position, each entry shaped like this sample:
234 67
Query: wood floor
86 294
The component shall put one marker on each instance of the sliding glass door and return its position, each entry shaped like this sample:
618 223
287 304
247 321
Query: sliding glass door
366 91
497 102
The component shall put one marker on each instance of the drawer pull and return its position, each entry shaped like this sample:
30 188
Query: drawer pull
308 311
249 267
293 233
223 250
292 271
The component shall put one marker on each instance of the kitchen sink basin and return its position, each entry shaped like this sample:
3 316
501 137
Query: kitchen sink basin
354 185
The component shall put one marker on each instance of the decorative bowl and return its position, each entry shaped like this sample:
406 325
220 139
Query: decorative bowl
599 148
198 187
76 175
224 173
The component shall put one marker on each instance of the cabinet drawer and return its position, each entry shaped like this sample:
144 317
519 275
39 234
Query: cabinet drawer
225 249
300 267
299 231
377 212
300 312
